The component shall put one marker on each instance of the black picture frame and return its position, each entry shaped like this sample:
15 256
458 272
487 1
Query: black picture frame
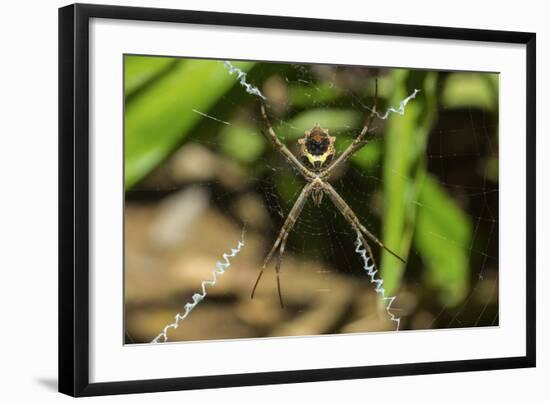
74 198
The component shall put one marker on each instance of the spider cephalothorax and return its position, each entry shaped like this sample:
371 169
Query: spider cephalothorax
317 147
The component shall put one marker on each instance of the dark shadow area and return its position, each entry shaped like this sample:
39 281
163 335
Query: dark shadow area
48 382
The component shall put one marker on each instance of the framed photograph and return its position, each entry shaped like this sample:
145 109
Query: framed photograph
250 199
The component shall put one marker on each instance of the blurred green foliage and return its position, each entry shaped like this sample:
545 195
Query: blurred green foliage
404 168
237 141
443 235
303 96
165 98
160 117
463 89
332 119
138 71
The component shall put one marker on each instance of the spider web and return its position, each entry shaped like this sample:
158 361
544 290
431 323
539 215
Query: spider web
322 271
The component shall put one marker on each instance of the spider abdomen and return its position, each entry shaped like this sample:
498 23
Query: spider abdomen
316 148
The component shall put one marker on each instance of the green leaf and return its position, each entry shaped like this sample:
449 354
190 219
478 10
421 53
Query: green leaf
404 168
159 118
443 234
306 96
334 119
367 157
242 142
138 70
469 89
386 86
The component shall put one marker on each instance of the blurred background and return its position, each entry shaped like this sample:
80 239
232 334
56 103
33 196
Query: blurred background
198 169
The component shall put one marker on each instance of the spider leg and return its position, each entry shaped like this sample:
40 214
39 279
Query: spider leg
280 242
365 245
351 217
357 143
281 148
278 265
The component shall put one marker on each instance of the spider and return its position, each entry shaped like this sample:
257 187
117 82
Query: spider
317 153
